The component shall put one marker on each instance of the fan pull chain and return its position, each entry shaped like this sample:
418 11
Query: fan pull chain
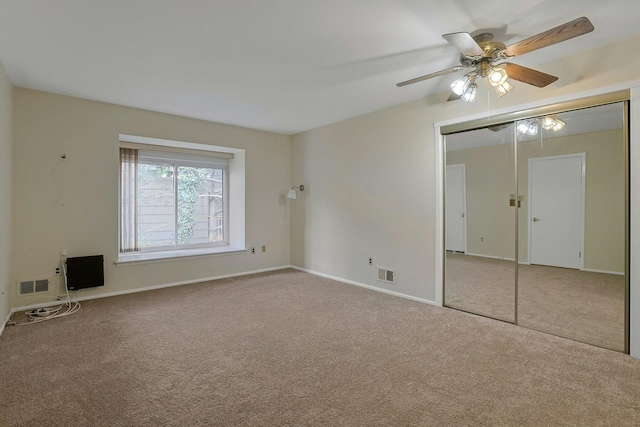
488 103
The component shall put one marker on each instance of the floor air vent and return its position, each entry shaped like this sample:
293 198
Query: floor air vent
386 275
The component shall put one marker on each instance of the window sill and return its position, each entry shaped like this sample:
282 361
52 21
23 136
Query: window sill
151 257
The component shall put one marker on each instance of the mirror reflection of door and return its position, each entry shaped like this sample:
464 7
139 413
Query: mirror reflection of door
456 195
480 276
556 210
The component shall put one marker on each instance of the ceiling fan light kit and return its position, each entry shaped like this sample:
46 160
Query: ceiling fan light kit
552 123
497 76
484 55
460 85
470 93
503 89
532 126
528 127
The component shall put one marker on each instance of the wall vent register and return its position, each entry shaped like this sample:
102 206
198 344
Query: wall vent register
26 287
386 275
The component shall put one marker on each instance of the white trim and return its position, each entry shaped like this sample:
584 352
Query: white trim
634 228
464 202
491 256
147 288
5 322
362 285
207 279
616 273
588 270
176 144
135 258
541 103
497 257
583 193
439 231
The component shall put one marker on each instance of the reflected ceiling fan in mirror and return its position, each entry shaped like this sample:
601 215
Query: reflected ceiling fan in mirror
485 56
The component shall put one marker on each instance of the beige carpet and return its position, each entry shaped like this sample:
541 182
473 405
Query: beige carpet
584 306
480 285
291 349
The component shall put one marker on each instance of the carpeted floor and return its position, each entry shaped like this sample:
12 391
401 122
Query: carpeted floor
292 349
581 305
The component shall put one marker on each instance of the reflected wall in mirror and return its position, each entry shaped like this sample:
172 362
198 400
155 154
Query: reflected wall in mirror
571 279
480 222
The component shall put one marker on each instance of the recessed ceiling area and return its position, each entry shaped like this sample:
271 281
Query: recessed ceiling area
284 66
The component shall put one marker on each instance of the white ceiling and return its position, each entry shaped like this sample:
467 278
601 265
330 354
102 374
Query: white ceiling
279 65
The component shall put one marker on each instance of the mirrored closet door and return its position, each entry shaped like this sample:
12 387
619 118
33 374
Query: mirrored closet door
572 224
563 178
480 221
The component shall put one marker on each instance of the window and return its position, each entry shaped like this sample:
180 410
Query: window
173 201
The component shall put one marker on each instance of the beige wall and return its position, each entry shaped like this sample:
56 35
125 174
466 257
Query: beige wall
6 167
74 204
372 179
490 180
368 194
604 194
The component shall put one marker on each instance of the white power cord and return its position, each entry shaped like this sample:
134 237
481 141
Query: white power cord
43 314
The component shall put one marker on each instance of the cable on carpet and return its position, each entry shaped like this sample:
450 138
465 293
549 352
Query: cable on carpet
43 314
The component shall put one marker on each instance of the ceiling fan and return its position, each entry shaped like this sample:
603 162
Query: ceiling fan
484 56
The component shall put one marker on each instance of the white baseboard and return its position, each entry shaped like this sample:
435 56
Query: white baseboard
206 279
362 285
490 256
497 257
590 270
5 322
616 273
132 291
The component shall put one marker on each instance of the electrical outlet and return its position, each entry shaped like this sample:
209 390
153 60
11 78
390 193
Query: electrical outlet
63 155
370 261
264 248
482 239
57 271
253 250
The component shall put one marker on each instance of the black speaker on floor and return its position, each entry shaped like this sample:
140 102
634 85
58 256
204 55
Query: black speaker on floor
85 272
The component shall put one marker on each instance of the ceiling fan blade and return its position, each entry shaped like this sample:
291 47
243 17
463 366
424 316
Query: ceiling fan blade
567 31
498 128
428 76
464 43
529 75
453 97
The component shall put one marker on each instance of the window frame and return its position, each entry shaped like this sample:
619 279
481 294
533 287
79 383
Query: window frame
177 160
234 240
